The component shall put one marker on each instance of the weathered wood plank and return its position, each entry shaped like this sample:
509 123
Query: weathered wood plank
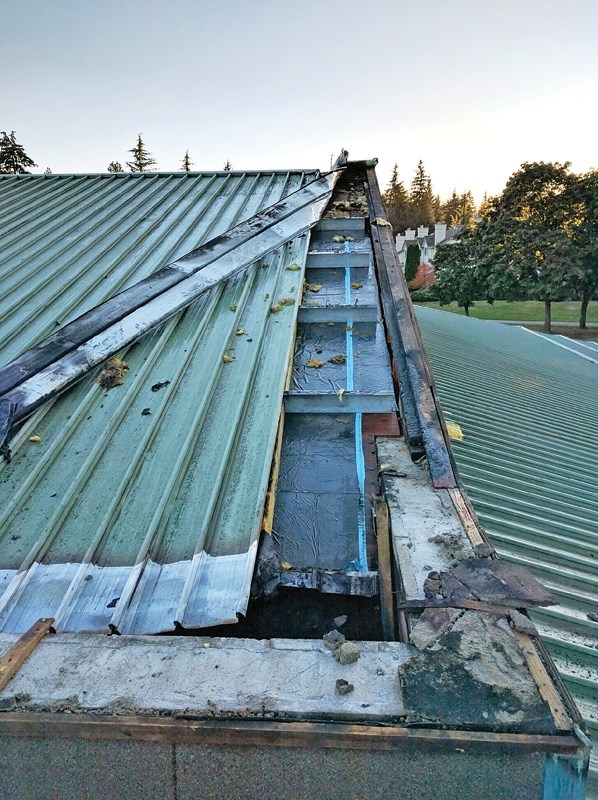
415 381
544 683
266 733
12 661
268 518
385 570
469 524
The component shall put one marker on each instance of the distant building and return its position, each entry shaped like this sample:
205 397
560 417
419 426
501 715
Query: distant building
426 241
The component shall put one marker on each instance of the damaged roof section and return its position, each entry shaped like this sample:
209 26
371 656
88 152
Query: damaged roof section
463 612
109 521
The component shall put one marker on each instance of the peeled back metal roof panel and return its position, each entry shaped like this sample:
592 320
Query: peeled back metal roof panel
141 505
528 410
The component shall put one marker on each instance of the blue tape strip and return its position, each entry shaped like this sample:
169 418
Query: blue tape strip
349 332
360 462
359 458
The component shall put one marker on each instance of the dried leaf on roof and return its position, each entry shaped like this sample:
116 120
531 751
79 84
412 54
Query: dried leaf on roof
454 431
315 363
113 373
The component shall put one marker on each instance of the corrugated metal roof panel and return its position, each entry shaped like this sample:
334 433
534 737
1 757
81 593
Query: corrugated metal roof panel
69 242
141 500
528 410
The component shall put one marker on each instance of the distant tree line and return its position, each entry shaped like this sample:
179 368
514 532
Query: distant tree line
14 160
418 205
538 240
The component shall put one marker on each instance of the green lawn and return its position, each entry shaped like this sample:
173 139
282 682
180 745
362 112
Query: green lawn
527 310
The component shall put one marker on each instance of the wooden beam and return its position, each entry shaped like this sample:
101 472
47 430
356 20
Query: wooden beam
467 520
422 414
261 733
545 685
268 518
385 570
13 660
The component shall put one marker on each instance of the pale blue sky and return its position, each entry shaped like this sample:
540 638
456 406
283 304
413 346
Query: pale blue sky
472 88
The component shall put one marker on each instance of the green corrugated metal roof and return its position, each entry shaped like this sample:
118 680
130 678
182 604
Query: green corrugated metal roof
139 502
68 242
528 410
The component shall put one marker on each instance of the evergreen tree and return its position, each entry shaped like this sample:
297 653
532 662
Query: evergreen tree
396 201
450 209
458 209
421 196
412 262
115 166
13 158
142 160
485 206
228 166
186 163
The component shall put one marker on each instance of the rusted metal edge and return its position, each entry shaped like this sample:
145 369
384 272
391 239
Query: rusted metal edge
415 379
12 661
98 319
269 733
